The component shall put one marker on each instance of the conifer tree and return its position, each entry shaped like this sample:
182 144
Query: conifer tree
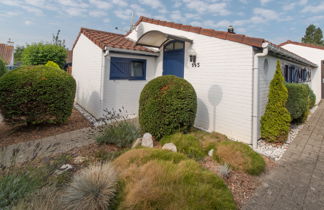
275 123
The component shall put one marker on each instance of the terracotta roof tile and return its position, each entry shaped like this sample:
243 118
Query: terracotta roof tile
103 39
252 41
6 53
302 44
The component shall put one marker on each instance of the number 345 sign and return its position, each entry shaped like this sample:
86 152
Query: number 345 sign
195 65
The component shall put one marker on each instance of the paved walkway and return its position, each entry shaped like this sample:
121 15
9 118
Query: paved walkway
298 181
28 151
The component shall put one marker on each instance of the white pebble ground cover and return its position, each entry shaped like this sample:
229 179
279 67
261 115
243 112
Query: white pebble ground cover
274 151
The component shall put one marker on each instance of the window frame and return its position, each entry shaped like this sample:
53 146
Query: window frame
130 61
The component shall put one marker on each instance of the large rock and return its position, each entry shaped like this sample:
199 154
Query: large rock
170 146
147 140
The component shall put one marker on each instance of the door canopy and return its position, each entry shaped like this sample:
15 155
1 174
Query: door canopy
157 39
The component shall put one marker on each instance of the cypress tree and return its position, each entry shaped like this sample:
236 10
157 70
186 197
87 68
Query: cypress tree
275 123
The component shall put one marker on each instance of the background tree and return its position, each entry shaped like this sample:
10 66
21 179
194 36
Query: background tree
313 35
56 39
18 55
40 54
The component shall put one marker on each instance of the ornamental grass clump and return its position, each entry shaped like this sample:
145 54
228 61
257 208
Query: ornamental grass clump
161 179
275 123
239 156
93 188
36 94
167 105
187 144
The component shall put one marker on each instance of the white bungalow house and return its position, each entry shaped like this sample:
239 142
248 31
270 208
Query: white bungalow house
315 54
230 72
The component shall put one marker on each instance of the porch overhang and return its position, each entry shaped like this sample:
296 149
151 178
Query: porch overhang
157 39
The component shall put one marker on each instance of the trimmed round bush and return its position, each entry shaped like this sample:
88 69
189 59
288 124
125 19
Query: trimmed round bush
168 104
36 94
311 97
52 64
298 99
239 156
161 179
3 69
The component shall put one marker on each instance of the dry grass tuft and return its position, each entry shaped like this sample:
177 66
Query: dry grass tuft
93 188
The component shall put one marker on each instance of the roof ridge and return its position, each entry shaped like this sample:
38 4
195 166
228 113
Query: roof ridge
90 29
302 44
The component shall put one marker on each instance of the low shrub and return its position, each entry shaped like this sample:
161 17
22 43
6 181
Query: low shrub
298 100
92 188
16 186
239 156
3 68
312 97
187 144
275 123
36 94
170 182
122 134
52 64
167 105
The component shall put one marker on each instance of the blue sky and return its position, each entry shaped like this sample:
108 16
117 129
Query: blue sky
27 21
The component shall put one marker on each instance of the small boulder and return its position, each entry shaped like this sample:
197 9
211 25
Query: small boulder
137 142
147 140
170 146
211 152
63 168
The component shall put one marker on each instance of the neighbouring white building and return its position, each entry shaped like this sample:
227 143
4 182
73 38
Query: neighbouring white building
230 72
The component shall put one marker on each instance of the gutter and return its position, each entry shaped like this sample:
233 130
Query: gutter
255 93
102 80
132 52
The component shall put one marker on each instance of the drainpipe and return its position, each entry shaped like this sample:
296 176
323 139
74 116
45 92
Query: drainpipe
255 96
102 81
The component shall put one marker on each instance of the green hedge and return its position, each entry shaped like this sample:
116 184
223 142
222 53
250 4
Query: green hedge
297 103
275 123
312 97
168 105
36 94
3 68
52 64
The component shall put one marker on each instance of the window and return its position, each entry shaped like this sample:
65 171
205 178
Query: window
294 74
174 45
127 68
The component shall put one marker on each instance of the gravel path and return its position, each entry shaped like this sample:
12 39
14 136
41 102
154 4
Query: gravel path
298 181
28 151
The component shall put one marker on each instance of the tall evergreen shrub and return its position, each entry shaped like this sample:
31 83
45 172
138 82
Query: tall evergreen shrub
275 122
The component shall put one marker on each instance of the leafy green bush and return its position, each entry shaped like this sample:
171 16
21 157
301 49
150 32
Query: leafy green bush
36 94
298 100
187 144
40 54
161 179
14 187
239 156
168 105
52 64
312 97
275 123
3 68
122 134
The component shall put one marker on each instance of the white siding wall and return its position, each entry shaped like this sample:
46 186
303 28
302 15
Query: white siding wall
223 82
87 62
126 93
314 55
265 78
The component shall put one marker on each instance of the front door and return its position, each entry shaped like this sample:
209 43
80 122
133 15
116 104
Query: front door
322 77
173 59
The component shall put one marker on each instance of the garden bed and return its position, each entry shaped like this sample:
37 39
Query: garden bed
12 135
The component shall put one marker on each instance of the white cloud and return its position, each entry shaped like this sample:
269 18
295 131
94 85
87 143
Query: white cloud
75 11
215 8
124 14
263 2
100 4
314 9
28 22
121 3
292 5
8 13
97 13
155 4
73 3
